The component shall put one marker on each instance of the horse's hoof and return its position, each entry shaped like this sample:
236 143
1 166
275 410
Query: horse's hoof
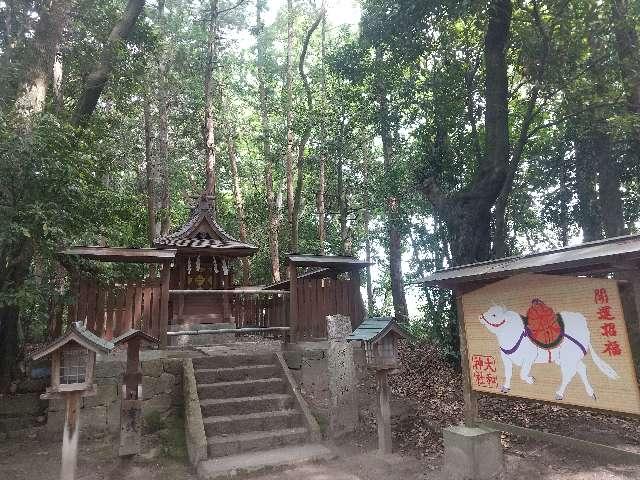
504 389
593 395
559 397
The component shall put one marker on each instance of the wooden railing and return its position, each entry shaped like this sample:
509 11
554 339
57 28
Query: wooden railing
265 310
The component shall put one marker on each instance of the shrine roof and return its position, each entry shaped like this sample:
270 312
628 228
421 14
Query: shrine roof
115 254
78 333
602 256
334 262
191 234
132 334
374 328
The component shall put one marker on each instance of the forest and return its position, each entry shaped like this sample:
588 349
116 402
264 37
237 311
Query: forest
421 135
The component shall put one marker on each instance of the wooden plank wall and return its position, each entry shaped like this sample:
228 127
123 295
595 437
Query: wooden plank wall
260 310
109 311
319 297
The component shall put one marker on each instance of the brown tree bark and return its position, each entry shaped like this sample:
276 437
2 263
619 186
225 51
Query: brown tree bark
163 128
153 173
210 85
58 97
467 214
41 56
273 226
289 113
320 201
395 238
586 178
97 79
628 48
297 200
366 219
237 196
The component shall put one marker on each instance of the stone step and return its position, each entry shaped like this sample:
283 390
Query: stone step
233 374
251 422
242 388
254 463
233 406
234 360
222 445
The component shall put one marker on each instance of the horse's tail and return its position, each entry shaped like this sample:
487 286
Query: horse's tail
603 366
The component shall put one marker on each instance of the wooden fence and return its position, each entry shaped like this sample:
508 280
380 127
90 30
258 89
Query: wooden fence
319 297
109 311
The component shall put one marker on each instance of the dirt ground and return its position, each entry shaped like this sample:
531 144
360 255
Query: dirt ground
35 458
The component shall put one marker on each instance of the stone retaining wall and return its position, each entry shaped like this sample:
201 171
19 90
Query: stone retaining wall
161 391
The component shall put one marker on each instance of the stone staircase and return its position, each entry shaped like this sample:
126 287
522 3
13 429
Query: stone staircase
254 420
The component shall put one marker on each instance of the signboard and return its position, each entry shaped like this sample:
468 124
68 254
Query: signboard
552 338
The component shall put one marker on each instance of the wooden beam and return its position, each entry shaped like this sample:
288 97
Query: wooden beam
165 278
293 302
596 449
469 396
384 412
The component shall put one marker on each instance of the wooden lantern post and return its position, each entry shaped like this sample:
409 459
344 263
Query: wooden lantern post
380 336
131 403
73 357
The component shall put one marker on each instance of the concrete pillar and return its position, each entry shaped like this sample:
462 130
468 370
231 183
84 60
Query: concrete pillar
343 408
472 453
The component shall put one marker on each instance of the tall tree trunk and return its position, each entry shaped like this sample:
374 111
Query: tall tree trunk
210 86
97 79
586 176
58 97
395 238
163 129
322 234
289 87
32 89
273 227
297 200
366 221
237 196
153 173
467 214
611 212
628 48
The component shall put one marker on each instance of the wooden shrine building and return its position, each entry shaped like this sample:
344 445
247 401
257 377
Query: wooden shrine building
195 288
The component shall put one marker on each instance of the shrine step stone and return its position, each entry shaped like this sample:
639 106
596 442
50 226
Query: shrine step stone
252 421
255 463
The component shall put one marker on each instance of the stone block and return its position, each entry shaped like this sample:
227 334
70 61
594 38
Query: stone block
166 383
105 394
293 359
343 395
113 416
108 369
159 403
22 404
152 368
338 327
173 366
93 418
472 453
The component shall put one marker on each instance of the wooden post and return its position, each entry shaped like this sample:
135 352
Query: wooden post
469 396
70 436
165 277
131 403
133 374
293 302
384 412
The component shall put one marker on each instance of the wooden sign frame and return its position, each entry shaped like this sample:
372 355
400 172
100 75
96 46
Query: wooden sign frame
630 300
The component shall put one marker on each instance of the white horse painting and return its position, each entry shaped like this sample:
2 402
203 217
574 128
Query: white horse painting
516 348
